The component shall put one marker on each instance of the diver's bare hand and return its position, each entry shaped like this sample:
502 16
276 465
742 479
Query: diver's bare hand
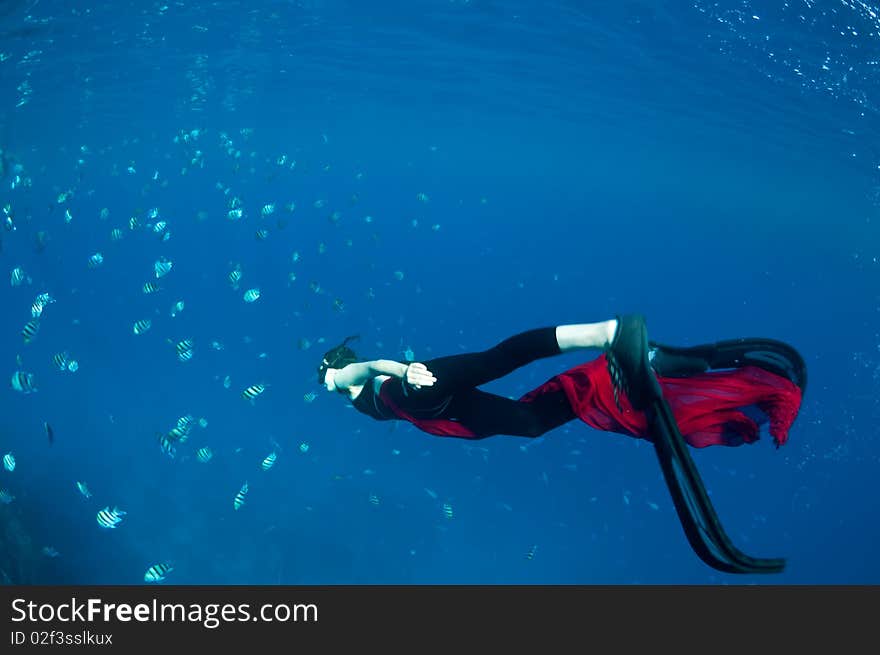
417 375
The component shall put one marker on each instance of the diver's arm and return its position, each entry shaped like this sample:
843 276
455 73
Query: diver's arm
414 374
388 367
357 374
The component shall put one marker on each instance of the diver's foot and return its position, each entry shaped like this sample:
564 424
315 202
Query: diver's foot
628 366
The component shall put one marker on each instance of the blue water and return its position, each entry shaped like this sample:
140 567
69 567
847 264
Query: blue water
712 165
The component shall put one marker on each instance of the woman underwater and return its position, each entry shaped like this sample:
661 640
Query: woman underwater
719 394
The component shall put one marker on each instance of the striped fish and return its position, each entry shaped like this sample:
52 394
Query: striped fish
239 497
108 518
17 276
40 303
253 391
447 510
6 497
162 267
186 422
116 233
204 455
184 350
150 287
23 382
60 360
142 326
96 260
84 489
167 446
29 331
177 434
252 295
9 462
269 461
235 277
157 572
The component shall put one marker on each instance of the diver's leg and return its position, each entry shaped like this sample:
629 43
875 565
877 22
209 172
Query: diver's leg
488 414
458 372
468 370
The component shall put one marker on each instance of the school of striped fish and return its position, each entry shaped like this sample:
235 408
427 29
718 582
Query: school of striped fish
42 335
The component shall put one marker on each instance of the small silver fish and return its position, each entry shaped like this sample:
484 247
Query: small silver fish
84 489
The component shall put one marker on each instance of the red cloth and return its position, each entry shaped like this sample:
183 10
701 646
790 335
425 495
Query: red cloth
715 408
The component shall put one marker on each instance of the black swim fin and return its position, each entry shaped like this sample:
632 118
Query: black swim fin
701 524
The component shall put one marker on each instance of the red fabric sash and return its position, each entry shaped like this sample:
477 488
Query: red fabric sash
715 408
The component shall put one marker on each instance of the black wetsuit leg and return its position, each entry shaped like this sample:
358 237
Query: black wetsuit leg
488 414
455 396
456 373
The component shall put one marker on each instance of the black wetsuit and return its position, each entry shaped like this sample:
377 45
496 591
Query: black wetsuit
455 395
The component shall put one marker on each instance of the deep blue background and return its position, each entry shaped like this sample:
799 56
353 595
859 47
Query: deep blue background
712 165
